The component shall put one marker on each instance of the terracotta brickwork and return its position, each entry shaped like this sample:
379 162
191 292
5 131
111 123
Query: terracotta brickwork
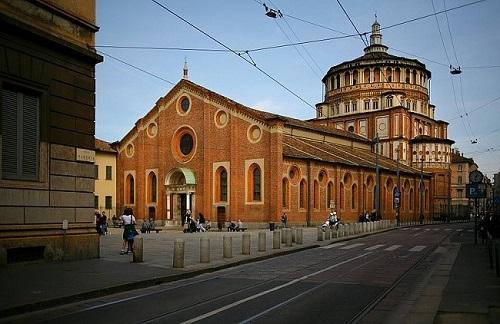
227 161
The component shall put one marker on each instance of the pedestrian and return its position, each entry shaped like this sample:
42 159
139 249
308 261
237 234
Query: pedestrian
104 223
284 220
129 231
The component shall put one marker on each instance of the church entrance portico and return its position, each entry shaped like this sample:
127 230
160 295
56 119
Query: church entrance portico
180 185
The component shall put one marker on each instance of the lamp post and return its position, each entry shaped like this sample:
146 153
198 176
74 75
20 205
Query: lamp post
377 172
421 218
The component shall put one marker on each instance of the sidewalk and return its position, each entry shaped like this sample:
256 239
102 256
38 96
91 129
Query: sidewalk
471 286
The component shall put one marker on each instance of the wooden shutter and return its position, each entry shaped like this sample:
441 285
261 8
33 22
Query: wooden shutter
30 149
20 135
9 134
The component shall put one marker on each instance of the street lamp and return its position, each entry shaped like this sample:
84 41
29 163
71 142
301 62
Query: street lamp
421 190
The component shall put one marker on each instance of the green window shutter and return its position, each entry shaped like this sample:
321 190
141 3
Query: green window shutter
30 149
20 135
9 134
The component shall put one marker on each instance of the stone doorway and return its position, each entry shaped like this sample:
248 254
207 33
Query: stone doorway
180 186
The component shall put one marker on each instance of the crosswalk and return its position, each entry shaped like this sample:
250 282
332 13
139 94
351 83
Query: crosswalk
384 247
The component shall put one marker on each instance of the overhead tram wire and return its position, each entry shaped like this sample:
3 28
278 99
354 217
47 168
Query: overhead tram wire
135 67
303 47
353 25
236 53
477 108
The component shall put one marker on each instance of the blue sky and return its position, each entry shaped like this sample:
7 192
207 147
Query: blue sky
124 94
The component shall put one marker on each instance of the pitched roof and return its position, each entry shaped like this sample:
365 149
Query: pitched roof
103 146
458 158
302 148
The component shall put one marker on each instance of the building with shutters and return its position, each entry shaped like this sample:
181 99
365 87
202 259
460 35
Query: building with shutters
47 81
105 179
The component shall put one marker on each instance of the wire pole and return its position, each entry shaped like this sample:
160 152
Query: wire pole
398 206
421 218
377 170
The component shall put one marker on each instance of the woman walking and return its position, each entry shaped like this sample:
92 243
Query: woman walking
129 231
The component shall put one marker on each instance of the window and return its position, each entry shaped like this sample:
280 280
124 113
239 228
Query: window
96 171
254 183
185 104
460 193
186 144
316 195
302 194
337 109
285 189
347 108
367 105
459 179
108 202
375 104
20 135
153 187
354 106
459 167
109 172
96 202
389 101
354 194
223 184
350 129
130 190
329 192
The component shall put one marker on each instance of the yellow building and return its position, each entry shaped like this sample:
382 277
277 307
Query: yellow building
460 168
105 181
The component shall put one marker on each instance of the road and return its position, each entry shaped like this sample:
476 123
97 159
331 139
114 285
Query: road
338 283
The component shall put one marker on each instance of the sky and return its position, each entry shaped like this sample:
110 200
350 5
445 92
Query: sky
467 37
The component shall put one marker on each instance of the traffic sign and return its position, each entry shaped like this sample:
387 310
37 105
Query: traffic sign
397 193
476 190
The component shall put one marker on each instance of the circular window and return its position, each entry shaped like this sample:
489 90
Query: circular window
254 133
350 129
185 104
294 174
322 177
221 118
129 150
183 144
152 130
186 144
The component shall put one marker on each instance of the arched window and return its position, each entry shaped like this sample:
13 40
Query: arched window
397 75
152 187
223 184
354 196
329 193
389 101
337 81
376 75
130 190
302 194
254 186
341 196
285 192
316 194
411 199
407 76
459 179
388 74
366 74
347 79
355 77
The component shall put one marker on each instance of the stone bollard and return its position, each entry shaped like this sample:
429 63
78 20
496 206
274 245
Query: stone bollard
283 235
204 250
288 238
294 235
276 239
179 253
340 230
328 234
245 244
320 234
365 226
227 243
300 236
262 242
138 255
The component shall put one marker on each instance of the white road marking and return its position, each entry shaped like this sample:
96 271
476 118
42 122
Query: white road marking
331 246
406 228
393 247
448 229
417 248
459 230
371 248
352 246
427 229
436 229
239 302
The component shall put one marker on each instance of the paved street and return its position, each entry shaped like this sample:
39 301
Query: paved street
378 278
